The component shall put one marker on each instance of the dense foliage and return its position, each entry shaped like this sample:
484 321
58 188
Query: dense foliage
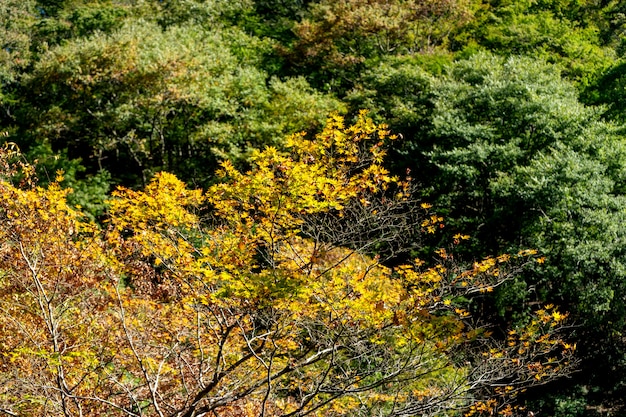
166 204
260 310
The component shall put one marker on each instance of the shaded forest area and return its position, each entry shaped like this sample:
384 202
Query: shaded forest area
164 199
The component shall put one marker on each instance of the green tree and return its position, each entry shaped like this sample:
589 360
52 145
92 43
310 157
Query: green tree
144 99
520 162
17 20
200 12
335 38
568 32
608 91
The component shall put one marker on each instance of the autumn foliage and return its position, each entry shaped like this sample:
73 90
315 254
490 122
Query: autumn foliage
347 32
269 294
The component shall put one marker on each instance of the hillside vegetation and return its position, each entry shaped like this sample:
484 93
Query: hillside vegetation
312 207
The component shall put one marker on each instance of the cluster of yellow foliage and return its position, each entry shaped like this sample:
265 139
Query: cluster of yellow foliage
253 309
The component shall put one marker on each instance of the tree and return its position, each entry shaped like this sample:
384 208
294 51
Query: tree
16 21
199 12
336 37
264 307
477 121
571 33
50 274
518 161
143 99
503 125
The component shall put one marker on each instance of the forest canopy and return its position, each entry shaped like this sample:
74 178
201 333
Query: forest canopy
312 207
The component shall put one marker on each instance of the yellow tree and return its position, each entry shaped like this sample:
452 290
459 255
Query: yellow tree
51 267
275 304
268 294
